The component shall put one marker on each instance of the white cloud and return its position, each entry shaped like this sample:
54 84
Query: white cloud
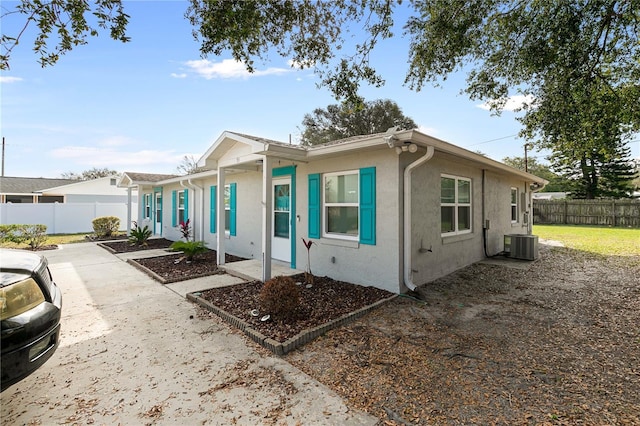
181 75
6 79
228 68
512 104
117 159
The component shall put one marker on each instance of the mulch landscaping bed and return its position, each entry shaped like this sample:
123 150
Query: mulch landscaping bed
125 246
326 301
174 267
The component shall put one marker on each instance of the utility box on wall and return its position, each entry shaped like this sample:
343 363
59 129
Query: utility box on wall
521 246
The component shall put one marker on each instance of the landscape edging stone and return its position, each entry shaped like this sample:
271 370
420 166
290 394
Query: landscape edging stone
302 338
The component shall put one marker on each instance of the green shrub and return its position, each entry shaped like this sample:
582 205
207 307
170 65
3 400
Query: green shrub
8 233
139 236
189 248
33 235
280 297
106 226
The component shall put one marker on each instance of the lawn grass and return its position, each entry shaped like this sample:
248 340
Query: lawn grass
595 239
54 239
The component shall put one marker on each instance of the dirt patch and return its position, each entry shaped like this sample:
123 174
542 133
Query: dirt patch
557 344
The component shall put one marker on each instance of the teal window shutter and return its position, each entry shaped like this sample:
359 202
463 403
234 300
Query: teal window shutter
232 209
174 208
314 206
186 205
368 205
212 210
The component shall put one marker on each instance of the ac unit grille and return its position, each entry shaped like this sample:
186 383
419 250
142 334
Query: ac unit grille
521 246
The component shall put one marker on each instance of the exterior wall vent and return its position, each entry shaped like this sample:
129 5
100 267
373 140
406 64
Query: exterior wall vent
521 246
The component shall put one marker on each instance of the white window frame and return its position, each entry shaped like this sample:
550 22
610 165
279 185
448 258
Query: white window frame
326 205
514 206
147 206
180 207
227 208
456 205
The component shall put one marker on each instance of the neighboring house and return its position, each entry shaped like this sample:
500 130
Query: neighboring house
28 190
392 210
63 205
43 190
549 195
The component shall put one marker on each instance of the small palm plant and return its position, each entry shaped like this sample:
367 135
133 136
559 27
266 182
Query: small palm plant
189 248
139 236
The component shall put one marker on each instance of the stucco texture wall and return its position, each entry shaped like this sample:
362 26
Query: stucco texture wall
451 252
374 265
248 239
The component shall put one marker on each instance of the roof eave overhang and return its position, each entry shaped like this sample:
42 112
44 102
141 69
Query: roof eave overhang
194 176
421 139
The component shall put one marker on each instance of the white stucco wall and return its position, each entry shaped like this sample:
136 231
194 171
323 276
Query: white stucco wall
372 265
449 253
248 241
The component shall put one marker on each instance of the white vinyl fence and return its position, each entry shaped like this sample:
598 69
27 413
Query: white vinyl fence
64 218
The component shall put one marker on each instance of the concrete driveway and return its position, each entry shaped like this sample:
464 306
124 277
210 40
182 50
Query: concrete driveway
135 352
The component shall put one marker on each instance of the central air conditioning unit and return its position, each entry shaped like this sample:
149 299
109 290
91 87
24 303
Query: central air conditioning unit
521 246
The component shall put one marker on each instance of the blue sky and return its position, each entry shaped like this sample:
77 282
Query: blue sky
142 106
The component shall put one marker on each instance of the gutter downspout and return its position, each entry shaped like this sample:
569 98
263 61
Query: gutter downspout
191 185
408 273
129 210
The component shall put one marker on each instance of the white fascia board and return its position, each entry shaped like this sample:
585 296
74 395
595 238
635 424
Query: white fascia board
282 151
194 176
424 140
225 139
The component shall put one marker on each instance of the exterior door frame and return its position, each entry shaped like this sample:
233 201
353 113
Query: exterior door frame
290 172
157 221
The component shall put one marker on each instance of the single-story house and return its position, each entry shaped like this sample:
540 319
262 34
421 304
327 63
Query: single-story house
392 210
21 190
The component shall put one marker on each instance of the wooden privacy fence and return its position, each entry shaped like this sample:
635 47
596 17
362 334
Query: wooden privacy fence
623 213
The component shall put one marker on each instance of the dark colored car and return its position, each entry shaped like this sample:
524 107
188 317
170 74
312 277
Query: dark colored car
30 309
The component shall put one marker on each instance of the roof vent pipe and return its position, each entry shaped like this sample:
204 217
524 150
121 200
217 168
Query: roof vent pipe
408 273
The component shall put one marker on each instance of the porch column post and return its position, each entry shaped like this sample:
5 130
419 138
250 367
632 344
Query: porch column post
267 207
220 222
128 210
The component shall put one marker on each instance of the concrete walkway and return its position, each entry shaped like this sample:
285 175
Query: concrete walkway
135 352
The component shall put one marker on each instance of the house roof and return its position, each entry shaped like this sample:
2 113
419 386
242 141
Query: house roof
135 178
391 139
28 185
148 177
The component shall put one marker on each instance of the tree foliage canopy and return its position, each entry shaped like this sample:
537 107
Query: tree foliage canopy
577 62
188 165
556 183
70 21
90 174
340 121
